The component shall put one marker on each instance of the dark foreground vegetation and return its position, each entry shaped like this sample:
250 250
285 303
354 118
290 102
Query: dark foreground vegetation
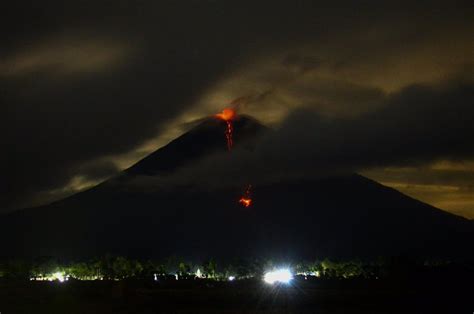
119 285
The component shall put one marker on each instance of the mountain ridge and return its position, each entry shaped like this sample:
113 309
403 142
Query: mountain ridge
294 218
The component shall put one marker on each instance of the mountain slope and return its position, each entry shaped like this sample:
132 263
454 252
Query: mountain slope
206 138
338 216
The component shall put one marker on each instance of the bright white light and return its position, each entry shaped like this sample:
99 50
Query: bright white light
231 278
59 276
279 275
199 273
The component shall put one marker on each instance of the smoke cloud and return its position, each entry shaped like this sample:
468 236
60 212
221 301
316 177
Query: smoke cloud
420 124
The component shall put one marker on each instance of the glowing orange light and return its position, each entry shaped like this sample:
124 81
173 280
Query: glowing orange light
228 114
245 200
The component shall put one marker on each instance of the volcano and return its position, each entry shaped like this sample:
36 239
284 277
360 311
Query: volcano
340 216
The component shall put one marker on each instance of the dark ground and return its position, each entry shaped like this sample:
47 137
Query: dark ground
235 297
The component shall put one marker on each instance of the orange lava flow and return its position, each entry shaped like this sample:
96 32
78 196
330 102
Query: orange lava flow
245 200
228 134
228 114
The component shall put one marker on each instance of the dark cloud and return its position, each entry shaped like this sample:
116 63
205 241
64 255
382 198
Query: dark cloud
418 125
462 178
444 184
301 63
85 81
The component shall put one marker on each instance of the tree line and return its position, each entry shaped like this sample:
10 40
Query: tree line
111 267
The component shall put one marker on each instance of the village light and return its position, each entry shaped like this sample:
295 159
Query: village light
282 275
231 278
59 276
199 273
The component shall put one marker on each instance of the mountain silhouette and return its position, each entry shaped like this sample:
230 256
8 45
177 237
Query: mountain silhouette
206 138
340 216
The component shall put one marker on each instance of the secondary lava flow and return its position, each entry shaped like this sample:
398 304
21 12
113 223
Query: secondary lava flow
245 200
228 114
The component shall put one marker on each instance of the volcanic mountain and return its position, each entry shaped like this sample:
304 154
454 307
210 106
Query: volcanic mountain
131 214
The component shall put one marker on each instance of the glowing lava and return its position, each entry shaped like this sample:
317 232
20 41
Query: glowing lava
245 200
228 114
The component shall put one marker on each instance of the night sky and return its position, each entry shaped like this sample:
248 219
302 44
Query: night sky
385 89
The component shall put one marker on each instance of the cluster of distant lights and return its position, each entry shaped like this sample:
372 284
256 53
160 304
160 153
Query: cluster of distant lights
198 275
57 276
275 276
61 276
280 275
